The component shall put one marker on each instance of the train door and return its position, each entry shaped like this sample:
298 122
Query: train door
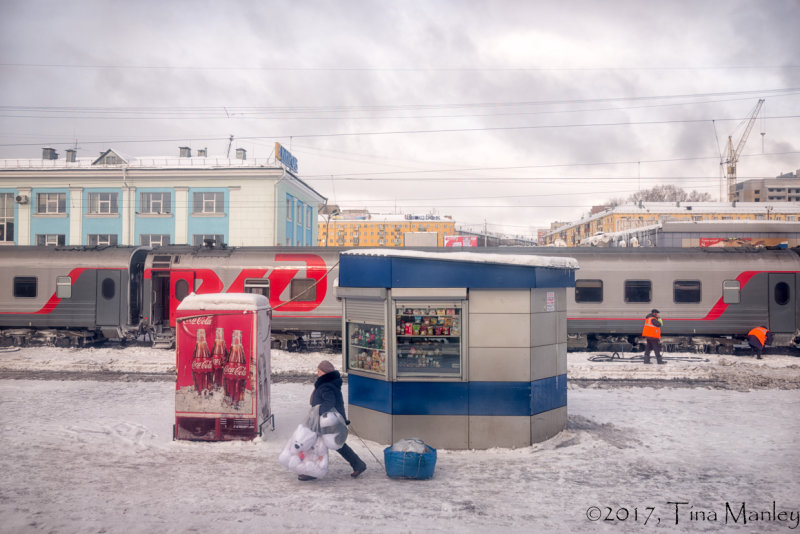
108 297
181 283
782 299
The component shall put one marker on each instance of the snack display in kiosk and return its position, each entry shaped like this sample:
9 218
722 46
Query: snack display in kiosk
428 340
366 347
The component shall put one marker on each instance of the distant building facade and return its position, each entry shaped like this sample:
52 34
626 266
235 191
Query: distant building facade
628 218
740 233
116 199
783 188
362 229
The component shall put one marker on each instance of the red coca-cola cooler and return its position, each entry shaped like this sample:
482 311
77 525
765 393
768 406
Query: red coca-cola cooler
223 365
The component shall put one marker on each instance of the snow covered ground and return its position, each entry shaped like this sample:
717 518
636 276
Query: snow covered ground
98 456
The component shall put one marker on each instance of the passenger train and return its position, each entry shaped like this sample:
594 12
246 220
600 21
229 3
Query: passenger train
709 298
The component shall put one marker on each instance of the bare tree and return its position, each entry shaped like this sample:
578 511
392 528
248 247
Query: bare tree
668 193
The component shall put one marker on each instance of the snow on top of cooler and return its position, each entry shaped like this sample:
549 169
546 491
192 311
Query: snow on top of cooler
475 257
225 301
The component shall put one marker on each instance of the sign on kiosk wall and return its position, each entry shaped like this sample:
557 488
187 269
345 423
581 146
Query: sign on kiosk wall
223 366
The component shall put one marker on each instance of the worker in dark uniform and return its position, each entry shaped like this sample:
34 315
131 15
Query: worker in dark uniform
652 335
758 338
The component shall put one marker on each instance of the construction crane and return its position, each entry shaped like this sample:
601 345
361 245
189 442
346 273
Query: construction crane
733 155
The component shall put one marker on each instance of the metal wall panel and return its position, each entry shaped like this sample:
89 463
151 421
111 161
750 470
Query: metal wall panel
486 432
499 330
545 425
438 431
500 364
500 301
544 362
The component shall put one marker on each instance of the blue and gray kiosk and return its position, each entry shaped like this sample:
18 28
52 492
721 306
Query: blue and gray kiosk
462 350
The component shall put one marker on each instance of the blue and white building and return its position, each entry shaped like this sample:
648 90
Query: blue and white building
116 199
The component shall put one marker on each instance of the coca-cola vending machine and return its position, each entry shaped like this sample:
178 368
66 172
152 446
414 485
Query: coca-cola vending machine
223 366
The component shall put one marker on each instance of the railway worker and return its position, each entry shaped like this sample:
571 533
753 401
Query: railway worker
652 335
758 338
328 394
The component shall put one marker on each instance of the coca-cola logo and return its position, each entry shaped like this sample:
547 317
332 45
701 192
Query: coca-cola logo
201 365
237 372
204 320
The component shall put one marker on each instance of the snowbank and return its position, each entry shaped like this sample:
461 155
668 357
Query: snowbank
719 371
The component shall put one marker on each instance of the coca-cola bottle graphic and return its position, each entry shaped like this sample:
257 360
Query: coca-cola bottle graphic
235 372
219 357
201 364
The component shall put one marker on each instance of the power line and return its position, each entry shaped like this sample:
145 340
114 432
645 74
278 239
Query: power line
294 68
411 132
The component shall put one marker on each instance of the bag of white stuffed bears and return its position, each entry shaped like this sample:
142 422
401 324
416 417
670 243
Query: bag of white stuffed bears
306 453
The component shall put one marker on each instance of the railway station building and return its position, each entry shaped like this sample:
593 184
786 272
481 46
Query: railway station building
117 199
735 220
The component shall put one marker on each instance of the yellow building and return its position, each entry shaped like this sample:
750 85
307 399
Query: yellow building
632 216
368 230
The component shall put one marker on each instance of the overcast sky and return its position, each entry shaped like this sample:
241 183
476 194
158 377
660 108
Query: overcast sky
503 114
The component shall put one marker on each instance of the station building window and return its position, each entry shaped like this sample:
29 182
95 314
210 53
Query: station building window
51 203
154 240
50 239
103 204
6 217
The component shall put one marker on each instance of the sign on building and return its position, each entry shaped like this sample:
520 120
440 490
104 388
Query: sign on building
285 157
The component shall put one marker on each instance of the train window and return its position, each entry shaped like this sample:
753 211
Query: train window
782 294
638 290
25 287
686 291
304 290
259 286
63 287
588 291
181 290
108 288
730 291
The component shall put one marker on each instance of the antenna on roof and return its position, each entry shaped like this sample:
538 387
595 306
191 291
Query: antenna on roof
230 142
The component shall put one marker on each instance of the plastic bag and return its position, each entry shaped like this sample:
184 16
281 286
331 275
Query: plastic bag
305 453
410 445
333 429
312 419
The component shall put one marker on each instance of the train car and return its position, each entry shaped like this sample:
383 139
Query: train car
69 296
299 283
709 298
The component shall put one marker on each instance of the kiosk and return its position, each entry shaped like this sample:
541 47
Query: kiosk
222 391
461 350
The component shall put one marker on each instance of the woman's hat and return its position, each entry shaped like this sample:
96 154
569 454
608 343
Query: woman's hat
325 366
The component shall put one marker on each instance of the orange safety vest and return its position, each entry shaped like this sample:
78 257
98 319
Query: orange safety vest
760 333
650 329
